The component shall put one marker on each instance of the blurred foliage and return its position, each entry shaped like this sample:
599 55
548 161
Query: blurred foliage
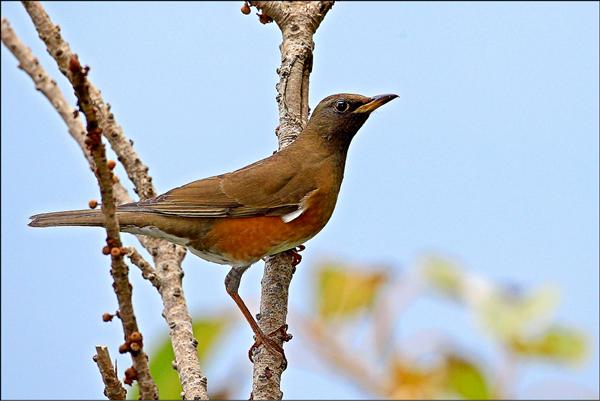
349 297
519 320
465 379
510 314
559 344
340 294
444 275
411 381
455 376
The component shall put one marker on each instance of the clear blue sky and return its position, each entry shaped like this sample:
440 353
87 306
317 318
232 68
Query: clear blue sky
490 155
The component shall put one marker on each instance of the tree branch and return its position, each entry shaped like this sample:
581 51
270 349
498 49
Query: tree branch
113 388
119 270
167 257
47 86
298 22
145 267
60 50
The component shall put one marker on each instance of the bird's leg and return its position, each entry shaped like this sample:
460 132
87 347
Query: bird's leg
232 283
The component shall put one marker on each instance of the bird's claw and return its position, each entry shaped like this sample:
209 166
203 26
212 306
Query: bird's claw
296 257
272 345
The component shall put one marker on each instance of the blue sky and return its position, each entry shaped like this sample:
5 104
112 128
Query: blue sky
489 155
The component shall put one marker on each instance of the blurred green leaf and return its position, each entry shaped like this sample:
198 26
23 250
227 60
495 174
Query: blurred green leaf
466 379
343 291
508 315
443 275
558 343
207 331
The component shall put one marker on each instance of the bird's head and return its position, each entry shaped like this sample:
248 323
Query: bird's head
337 118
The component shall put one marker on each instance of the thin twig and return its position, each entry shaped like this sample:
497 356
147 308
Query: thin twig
145 267
167 256
113 388
298 22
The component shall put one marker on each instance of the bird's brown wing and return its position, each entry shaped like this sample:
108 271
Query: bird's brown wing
270 187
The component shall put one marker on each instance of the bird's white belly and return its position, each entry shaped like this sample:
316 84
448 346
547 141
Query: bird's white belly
152 231
211 257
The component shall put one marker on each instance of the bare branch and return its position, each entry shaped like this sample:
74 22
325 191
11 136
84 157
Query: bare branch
46 85
60 50
119 270
113 388
146 268
167 257
298 22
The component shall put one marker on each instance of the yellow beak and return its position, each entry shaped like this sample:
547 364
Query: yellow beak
374 103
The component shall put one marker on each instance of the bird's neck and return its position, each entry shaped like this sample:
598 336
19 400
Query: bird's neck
325 140
312 148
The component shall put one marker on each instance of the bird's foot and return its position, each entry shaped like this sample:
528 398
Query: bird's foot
270 344
296 257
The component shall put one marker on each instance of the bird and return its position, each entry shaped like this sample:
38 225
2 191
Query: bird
238 218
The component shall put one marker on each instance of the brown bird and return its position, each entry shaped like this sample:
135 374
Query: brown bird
270 206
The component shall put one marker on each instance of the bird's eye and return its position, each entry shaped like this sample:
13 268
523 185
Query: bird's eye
341 106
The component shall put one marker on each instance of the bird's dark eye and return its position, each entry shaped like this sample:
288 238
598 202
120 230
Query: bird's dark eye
341 106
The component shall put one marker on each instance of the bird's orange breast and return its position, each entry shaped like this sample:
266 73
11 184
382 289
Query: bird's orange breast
246 240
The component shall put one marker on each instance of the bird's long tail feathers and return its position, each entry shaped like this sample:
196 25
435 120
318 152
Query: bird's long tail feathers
68 218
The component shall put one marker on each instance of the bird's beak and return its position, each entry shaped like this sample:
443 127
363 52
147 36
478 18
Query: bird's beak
374 103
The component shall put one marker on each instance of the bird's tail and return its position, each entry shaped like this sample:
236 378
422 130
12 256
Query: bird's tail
69 218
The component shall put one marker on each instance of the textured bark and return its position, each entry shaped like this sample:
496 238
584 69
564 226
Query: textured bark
145 267
113 388
167 257
298 22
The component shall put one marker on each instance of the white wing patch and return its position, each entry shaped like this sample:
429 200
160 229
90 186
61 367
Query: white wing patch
292 216
301 208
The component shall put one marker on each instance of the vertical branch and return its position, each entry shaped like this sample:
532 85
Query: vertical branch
298 22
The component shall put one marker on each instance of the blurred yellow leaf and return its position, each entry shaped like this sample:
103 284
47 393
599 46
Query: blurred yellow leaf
560 344
344 291
207 331
508 315
443 275
408 381
454 377
466 379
